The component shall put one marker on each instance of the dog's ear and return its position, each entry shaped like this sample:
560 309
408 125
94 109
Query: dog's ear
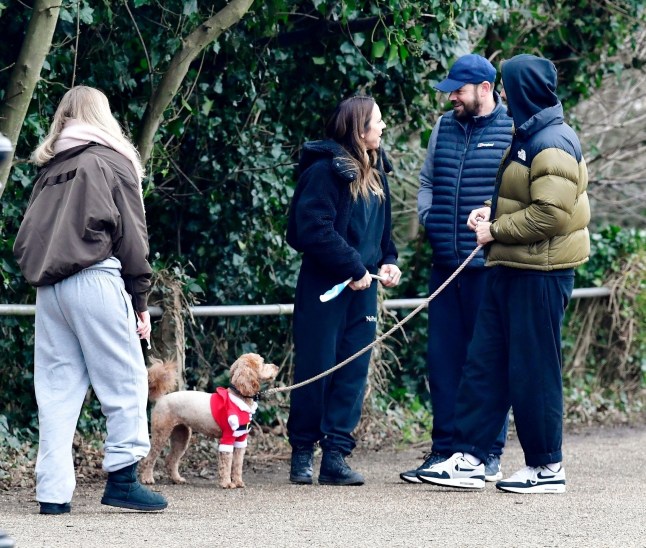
244 374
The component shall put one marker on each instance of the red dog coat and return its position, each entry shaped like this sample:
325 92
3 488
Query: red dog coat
233 416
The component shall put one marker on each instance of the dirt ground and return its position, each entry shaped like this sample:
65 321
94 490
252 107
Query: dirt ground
605 505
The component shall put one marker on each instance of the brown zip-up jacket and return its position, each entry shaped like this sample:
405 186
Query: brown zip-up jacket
86 206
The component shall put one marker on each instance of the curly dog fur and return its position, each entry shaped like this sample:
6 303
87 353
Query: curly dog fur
177 414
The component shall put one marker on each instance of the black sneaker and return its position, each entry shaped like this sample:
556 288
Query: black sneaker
493 471
430 459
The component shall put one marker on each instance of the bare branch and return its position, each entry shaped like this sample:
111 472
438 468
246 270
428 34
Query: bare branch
143 45
169 85
76 40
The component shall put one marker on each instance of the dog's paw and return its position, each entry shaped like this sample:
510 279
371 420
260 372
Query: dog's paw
147 479
239 484
229 485
178 479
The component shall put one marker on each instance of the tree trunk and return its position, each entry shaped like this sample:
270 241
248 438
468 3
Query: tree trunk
179 65
26 73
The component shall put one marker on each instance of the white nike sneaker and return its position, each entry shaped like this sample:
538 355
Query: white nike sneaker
455 471
539 479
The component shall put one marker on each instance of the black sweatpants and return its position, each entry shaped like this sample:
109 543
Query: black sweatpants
325 334
451 322
515 360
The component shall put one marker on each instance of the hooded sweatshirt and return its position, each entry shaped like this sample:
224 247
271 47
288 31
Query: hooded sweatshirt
321 211
540 207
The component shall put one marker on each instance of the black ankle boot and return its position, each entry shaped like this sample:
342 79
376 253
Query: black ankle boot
335 471
124 490
55 508
301 466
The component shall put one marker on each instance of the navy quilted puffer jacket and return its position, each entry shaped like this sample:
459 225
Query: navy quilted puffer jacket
458 176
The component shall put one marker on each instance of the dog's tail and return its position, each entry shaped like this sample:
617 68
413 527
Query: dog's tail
162 378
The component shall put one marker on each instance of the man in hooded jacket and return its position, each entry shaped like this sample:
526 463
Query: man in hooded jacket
536 233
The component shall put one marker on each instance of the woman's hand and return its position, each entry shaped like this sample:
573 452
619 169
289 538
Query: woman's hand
363 283
143 326
391 273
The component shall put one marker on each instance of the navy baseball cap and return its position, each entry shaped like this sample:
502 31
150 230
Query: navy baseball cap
468 69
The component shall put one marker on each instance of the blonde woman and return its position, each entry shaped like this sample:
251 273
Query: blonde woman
83 243
340 221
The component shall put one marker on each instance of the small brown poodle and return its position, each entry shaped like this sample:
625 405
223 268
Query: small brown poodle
226 415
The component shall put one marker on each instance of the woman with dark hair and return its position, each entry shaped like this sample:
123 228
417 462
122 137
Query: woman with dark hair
340 220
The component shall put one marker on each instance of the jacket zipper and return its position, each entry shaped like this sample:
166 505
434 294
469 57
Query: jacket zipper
468 132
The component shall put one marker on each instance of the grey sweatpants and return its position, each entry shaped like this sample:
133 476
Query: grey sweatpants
85 334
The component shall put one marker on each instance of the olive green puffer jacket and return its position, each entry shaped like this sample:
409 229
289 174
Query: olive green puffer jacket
540 206
541 210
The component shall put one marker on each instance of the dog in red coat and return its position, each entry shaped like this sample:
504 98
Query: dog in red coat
225 415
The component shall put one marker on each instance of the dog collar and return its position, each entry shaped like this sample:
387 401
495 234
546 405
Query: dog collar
254 397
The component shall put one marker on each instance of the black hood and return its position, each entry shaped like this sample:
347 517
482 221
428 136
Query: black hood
530 86
341 162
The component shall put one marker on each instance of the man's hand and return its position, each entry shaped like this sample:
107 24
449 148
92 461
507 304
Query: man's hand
478 215
483 233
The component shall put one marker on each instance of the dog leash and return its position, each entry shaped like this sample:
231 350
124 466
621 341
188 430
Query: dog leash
388 333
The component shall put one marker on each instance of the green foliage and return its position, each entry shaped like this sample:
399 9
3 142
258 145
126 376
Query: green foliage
586 403
582 38
605 344
610 248
16 451
411 415
17 403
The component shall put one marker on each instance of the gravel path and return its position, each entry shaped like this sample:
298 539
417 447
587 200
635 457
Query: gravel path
605 505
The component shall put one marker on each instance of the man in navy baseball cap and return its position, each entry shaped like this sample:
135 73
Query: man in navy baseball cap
464 152
468 69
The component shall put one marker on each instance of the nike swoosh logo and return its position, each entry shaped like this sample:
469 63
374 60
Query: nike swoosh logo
464 469
540 475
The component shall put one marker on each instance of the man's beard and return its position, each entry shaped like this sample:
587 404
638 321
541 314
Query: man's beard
469 110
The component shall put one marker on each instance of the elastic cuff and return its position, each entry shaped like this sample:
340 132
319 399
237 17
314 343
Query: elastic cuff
541 459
